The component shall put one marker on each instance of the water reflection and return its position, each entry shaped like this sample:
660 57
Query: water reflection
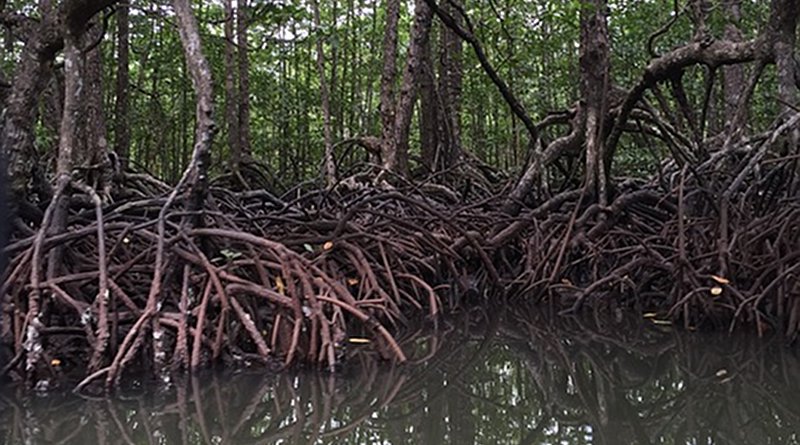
519 380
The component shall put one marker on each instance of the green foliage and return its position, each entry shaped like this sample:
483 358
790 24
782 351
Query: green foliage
533 44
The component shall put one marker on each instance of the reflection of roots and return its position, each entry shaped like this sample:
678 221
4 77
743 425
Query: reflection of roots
253 407
246 409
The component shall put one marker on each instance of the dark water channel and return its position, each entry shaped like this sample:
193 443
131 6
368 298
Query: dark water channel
517 379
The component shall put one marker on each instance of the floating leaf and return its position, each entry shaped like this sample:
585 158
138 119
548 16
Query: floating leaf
716 291
720 280
279 285
328 245
352 281
358 340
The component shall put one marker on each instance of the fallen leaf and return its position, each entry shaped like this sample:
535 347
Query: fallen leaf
722 373
308 247
662 322
358 340
328 245
716 291
720 280
279 285
650 315
352 281
55 362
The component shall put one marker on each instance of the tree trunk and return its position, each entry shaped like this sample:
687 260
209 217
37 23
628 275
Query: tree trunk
594 69
200 73
450 80
397 160
429 110
784 26
733 75
231 98
92 159
388 75
122 133
244 78
330 166
30 80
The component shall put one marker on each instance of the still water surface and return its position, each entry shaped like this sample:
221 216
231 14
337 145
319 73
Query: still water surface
517 379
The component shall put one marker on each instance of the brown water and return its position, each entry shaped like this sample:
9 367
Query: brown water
519 380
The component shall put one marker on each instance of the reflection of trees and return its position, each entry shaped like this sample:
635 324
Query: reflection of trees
526 380
645 385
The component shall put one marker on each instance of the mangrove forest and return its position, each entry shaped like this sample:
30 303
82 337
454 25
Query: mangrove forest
287 185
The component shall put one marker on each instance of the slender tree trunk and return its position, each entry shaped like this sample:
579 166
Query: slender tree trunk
450 80
594 67
93 158
244 77
122 133
388 75
231 98
784 26
330 166
68 134
428 116
200 73
733 75
398 159
71 147
699 14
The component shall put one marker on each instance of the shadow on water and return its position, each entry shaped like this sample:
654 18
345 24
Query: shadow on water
518 379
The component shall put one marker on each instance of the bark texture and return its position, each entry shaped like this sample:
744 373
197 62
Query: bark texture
231 96
397 158
122 132
242 23
324 93
388 76
594 68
